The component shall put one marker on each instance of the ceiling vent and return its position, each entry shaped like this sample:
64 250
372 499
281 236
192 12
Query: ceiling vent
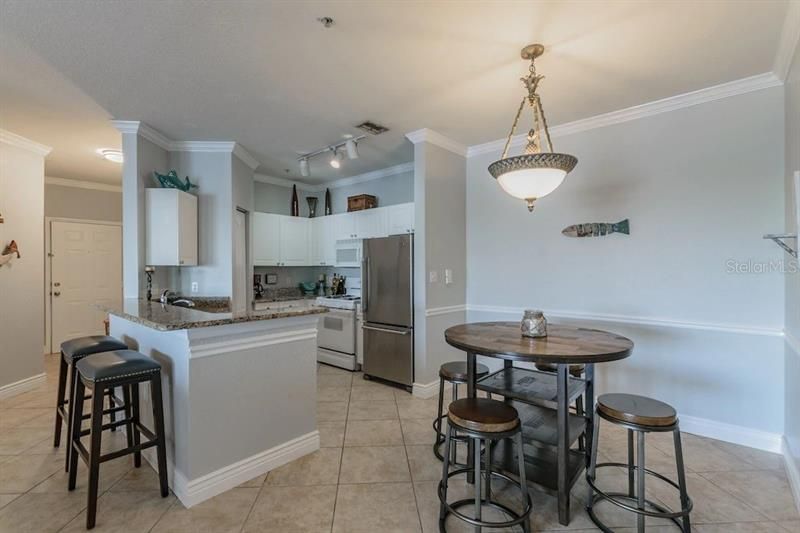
372 128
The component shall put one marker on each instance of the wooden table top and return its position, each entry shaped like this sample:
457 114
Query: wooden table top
563 344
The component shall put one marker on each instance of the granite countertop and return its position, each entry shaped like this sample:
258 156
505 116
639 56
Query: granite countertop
172 317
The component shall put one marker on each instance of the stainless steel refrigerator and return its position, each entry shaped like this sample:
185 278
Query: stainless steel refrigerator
387 303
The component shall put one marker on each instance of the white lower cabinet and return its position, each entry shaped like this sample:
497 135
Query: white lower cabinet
280 240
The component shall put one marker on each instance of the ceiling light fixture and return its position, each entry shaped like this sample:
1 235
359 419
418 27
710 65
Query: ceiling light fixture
349 145
336 159
111 154
539 170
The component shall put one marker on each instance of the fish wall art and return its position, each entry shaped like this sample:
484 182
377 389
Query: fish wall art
597 229
170 180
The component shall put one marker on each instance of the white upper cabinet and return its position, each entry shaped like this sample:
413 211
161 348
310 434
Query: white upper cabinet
280 240
294 239
370 223
400 219
171 228
266 239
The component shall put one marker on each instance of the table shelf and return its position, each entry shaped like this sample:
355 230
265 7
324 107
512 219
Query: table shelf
530 386
541 463
540 424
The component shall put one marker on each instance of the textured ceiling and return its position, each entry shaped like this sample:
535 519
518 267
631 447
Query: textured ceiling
267 75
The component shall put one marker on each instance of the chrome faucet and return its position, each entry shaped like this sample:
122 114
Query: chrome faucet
165 296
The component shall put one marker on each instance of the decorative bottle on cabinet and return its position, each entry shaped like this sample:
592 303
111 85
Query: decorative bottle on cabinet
295 202
328 209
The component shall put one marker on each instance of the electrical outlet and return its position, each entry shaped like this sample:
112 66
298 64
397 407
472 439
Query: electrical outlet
195 286
448 276
433 276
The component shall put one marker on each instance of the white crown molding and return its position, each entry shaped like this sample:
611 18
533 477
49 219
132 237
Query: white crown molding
26 144
342 182
435 138
161 140
788 44
636 321
680 101
81 184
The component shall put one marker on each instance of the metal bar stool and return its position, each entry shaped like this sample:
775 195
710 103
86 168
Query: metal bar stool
640 415
575 371
455 373
100 372
485 420
73 351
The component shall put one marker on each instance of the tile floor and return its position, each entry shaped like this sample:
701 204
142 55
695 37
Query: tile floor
374 473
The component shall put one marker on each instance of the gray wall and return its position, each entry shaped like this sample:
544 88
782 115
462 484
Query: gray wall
707 338
792 380
87 204
391 190
21 286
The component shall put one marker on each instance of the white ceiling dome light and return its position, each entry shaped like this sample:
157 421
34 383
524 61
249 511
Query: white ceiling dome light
537 172
111 154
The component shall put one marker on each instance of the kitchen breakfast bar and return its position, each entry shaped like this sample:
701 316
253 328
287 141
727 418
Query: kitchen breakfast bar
239 389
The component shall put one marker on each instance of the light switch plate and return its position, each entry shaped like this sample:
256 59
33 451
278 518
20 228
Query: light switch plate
195 286
448 276
433 276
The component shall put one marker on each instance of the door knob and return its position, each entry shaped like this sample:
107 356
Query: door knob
56 284
57 293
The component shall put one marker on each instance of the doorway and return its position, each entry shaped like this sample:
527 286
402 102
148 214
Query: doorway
85 270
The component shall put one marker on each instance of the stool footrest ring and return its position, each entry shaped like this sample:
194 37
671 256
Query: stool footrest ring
450 508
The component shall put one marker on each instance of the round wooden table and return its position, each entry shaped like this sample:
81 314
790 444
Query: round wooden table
547 394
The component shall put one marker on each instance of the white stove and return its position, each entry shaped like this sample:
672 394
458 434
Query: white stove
342 301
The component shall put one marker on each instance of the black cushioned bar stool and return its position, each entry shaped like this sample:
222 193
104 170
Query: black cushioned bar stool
640 415
485 420
73 351
455 373
100 372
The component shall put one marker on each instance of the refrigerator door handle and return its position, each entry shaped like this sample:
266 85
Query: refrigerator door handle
384 330
365 276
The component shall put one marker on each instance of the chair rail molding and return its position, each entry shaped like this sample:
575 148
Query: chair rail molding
633 320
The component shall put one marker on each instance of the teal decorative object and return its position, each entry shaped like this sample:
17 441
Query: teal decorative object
597 229
170 180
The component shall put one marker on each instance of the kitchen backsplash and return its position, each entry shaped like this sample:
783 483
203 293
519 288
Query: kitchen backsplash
290 277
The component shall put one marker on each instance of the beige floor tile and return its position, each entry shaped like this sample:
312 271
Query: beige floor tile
373 433
292 510
418 431
333 394
372 410
428 504
767 491
110 473
332 370
336 381
25 471
16 440
701 455
423 464
380 392
256 482
376 507
416 408
225 513
144 478
327 411
41 513
374 464
402 394
793 526
5 499
125 512
750 527
10 418
759 459
331 433
712 504
318 468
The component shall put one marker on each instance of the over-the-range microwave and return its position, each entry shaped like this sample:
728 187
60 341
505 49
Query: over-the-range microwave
348 253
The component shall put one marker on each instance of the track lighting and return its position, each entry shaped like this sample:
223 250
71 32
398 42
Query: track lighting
336 159
349 145
352 149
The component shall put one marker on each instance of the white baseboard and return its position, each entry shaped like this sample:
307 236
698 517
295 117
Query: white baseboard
23 385
195 491
753 438
792 472
427 390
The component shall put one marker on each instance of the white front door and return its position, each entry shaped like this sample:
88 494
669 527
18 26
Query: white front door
240 262
86 271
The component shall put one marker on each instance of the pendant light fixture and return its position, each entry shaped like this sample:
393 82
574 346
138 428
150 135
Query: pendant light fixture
539 170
